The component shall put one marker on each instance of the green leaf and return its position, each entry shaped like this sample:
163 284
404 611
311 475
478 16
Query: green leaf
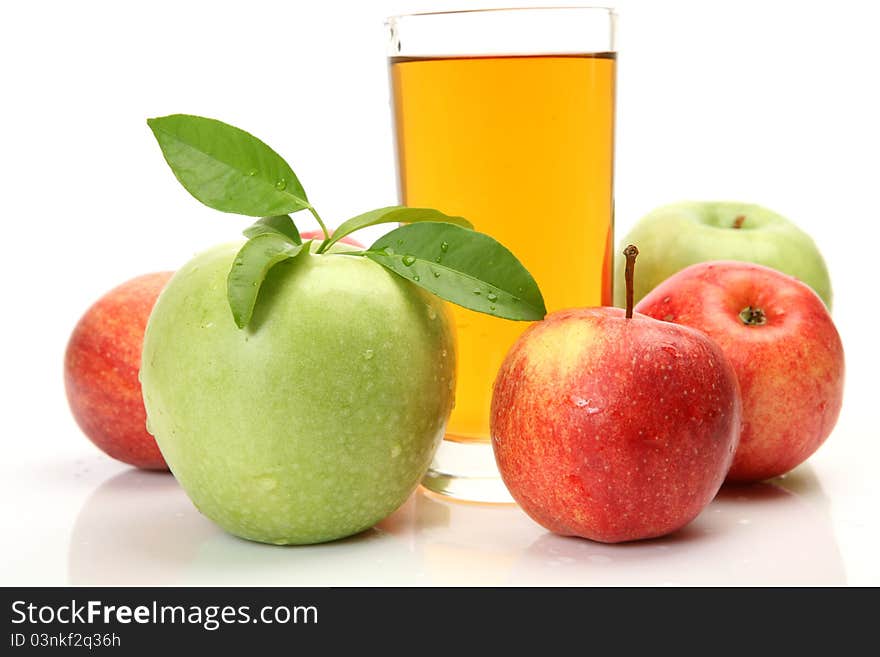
280 224
392 214
227 168
461 266
249 269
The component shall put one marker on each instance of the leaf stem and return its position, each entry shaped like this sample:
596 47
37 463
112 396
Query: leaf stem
323 227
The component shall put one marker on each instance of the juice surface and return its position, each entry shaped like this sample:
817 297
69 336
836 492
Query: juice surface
522 146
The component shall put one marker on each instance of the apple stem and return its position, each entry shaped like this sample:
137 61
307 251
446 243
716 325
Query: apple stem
630 252
739 221
753 316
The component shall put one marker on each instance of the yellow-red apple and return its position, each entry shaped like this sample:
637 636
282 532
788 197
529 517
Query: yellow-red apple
786 351
101 372
614 426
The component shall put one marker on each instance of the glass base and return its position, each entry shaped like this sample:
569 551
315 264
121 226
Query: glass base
466 471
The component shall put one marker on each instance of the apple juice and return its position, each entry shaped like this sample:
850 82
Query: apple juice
522 146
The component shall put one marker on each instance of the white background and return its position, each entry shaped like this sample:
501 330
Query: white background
769 102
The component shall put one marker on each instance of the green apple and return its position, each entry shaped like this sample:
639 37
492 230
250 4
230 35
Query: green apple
320 417
676 236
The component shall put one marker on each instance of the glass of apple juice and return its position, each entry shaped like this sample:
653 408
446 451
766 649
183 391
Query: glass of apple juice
506 117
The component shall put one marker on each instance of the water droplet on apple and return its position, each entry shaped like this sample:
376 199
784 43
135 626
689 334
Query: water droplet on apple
444 247
432 314
281 185
368 354
252 172
590 407
267 482
408 260
395 451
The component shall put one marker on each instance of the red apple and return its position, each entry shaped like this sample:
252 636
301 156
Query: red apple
319 235
782 343
611 427
101 372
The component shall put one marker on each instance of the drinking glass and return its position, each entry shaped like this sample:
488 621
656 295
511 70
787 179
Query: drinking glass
506 117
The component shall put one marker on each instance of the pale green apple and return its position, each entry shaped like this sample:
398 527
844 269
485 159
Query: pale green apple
676 236
320 417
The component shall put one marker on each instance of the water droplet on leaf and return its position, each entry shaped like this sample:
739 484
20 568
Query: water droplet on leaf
281 184
416 278
388 251
408 260
477 292
492 296
444 247
436 274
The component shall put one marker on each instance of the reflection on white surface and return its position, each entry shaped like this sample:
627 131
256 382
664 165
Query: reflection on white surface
764 533
140 528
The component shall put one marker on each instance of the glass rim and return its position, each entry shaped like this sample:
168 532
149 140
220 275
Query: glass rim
610 11
502 32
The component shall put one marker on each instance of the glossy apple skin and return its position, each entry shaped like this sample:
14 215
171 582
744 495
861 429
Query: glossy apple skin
790 370
320 417
101 372
614 429
678 235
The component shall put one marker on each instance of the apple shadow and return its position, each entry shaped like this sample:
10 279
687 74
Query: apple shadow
140 528
760 534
